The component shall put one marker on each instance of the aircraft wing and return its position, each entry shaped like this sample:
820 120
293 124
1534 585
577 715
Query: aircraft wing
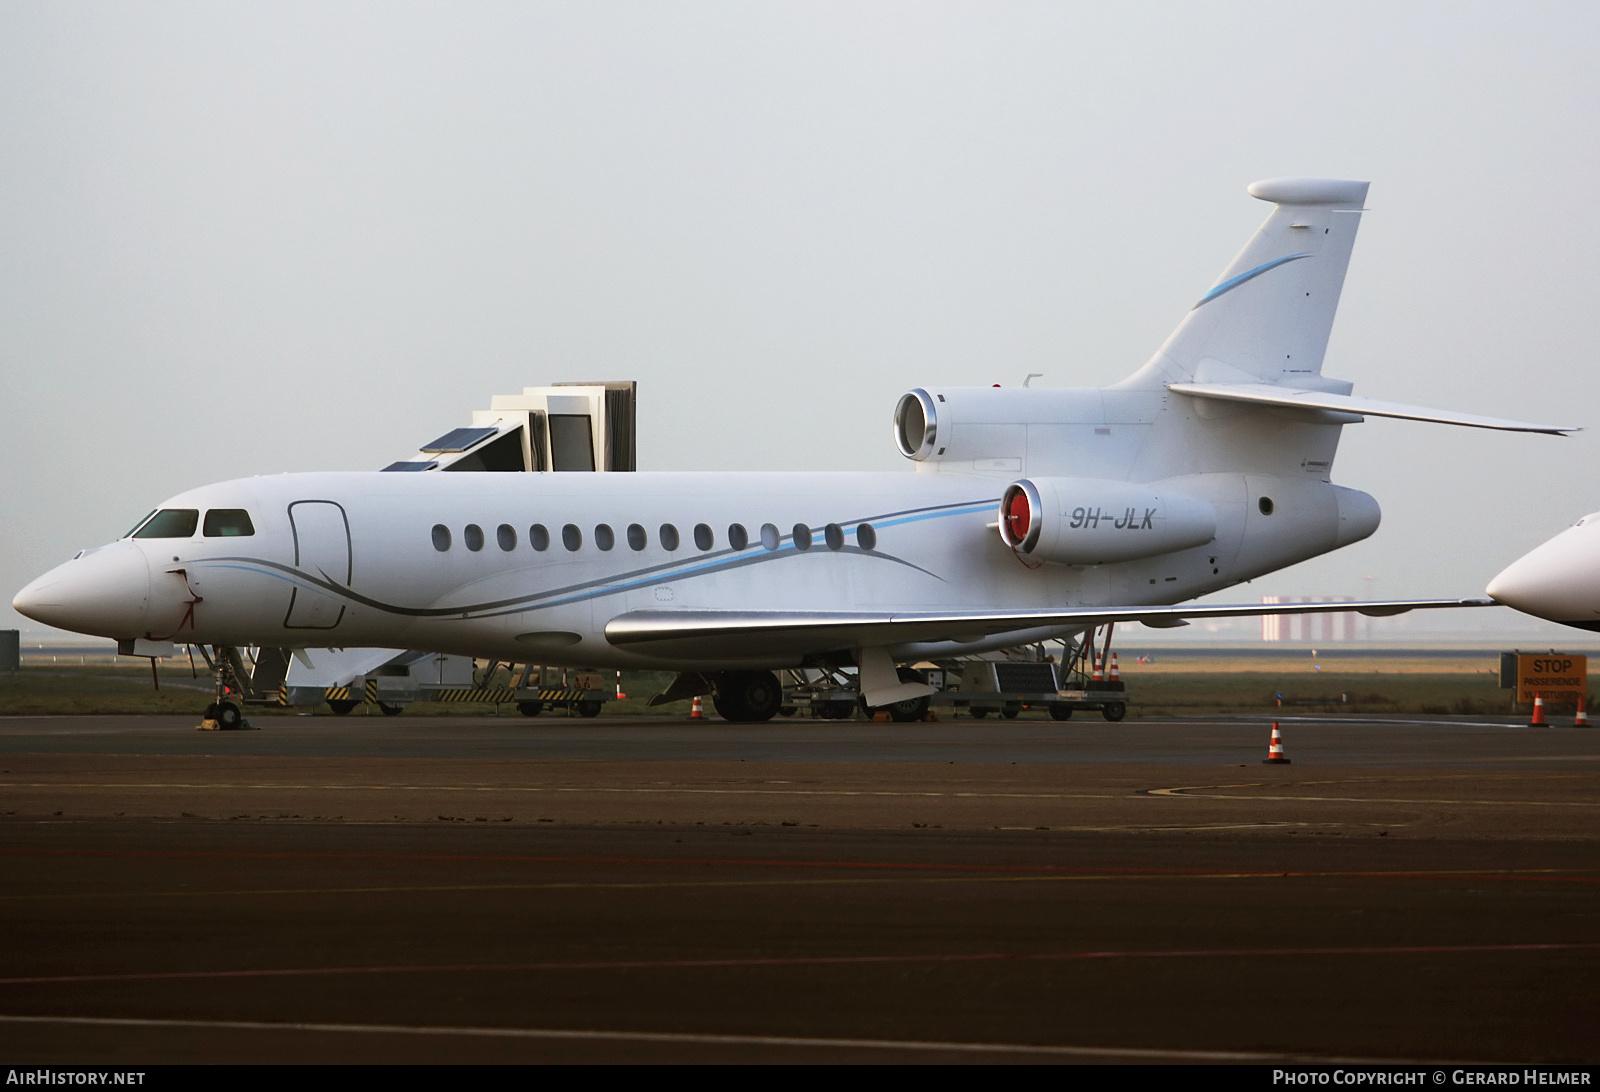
751 634
1271 394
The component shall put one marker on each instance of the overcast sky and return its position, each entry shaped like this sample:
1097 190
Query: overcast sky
249 238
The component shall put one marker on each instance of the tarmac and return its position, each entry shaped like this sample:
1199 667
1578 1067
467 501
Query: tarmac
504 889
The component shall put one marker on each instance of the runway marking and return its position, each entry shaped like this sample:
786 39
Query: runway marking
807 961
701 1039
564 789
1210 792
1538 875
911 866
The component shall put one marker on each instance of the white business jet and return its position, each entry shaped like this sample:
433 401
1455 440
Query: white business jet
1032 514
1559 580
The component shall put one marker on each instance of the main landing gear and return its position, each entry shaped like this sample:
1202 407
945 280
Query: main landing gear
747 697
912 709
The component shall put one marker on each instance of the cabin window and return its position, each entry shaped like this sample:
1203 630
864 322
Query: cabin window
802 537
769 536
1265 504
138 525
539 537
506 536
473 537
738 537
441 537
703 537
571 537
669 537
833 535
866 537
228 523
171 523
636 537
604 537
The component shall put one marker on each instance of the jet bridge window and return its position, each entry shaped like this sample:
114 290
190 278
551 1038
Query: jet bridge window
228 523
503 454
571 441
171 523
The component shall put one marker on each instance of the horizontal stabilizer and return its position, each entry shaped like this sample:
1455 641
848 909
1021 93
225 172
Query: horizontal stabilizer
746 634
1270 394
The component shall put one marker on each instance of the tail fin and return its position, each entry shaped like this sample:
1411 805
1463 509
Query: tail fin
1268 317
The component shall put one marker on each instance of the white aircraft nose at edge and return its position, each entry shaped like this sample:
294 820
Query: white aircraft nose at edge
1034 514
1559 580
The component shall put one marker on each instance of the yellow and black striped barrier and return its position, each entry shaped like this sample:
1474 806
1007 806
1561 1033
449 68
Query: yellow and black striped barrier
564 695
497 695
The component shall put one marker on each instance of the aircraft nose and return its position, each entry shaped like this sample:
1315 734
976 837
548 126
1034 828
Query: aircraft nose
103 592
1559 580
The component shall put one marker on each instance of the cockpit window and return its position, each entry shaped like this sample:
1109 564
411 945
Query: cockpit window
138 525
170 523
228 523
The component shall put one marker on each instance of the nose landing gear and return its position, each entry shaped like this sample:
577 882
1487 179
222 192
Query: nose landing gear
224 714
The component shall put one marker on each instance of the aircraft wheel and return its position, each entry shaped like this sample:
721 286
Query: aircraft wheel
1010 712
1114 710
228 716
530 708
787 710
389 710
910 710
589 708
977 713
904 712
747 697
341 706
1060 710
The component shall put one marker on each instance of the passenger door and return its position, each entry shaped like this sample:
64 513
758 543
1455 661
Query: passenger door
322 553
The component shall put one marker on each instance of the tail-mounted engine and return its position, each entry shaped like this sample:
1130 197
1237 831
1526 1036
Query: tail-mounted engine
1082 521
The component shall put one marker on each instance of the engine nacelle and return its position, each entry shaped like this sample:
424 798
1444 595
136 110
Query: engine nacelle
1083 521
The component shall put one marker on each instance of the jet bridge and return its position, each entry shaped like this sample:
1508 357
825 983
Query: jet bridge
565 427
589 427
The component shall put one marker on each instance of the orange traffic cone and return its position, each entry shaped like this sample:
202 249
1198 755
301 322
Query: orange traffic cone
698 712
1098 674
1115 676
1582 719
1537 721
620 695
1275 748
